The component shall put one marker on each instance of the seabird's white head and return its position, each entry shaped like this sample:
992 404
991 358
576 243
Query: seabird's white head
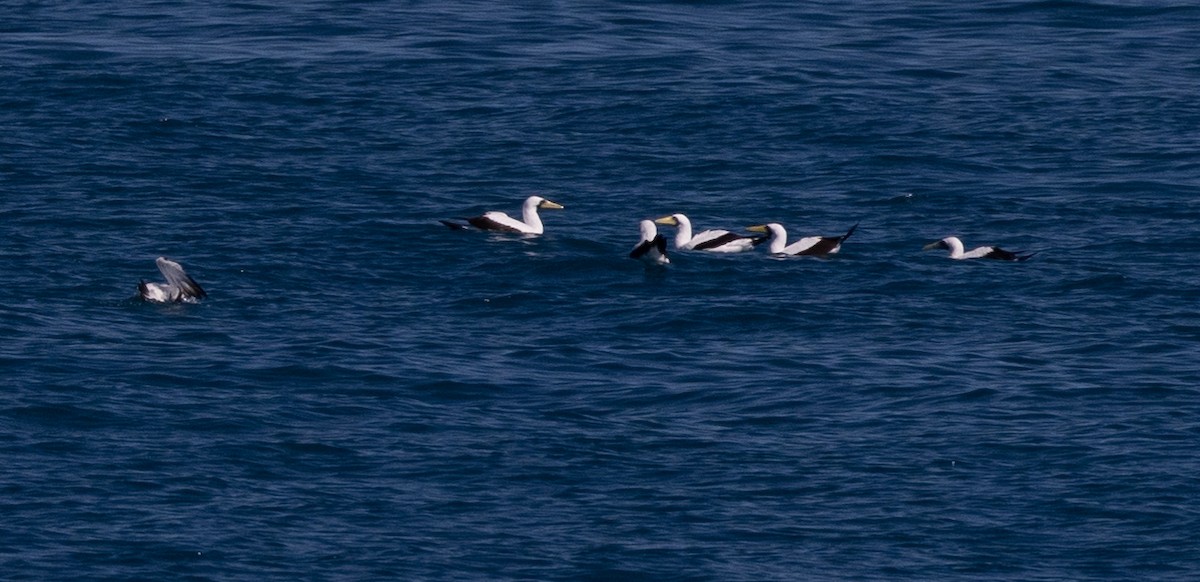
775 232
950 243
652 247
529 212
648 230
683 228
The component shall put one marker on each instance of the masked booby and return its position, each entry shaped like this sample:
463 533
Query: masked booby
809 246
179 288
652 248
530 222
716 241
955 246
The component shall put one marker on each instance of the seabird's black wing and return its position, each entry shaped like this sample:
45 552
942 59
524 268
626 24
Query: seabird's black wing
827 244
642 248
193 289
176 276
485 223
718 241
822 247
660 242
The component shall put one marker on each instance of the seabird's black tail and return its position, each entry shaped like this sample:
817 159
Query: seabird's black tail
1003 255
850 232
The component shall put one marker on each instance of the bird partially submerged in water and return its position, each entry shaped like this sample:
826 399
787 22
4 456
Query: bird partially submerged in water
812 246
530 222
955 246
652 248
179 288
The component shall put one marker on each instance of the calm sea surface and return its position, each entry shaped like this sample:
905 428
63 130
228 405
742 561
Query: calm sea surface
366 394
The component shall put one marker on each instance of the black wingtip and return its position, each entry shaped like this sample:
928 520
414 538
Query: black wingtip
196 290
453 225
850 232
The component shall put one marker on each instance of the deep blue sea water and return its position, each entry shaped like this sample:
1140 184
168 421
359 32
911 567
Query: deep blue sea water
366 394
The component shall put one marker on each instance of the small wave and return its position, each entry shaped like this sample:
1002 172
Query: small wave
67 416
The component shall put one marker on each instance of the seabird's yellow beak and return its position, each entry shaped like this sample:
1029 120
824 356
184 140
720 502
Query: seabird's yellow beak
550 205
667 221
940 244
757 228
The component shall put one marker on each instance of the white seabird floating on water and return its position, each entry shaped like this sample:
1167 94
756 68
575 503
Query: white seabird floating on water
179 288
955 246
716 240
652 248
811 246
530 222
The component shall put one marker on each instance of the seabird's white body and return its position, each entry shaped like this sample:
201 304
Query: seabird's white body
530 223
958 252
809 245
652 248
715 241
179 288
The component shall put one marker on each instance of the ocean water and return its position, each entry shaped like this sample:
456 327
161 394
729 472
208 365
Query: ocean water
366 394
